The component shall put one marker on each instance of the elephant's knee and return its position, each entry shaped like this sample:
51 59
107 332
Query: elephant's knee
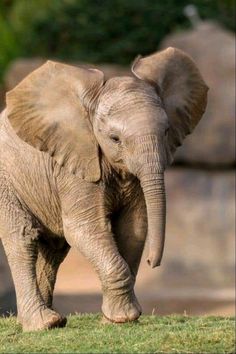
117 278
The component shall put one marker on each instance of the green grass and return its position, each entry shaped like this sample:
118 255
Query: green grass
152 334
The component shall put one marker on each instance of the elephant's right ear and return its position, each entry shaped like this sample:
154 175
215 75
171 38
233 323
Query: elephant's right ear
49 110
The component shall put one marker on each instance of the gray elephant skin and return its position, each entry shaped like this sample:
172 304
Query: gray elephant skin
82 165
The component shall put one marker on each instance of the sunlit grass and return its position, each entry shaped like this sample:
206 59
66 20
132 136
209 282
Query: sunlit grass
152 334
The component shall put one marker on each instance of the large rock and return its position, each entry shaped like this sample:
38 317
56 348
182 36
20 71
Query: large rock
200 229
20 68
213 49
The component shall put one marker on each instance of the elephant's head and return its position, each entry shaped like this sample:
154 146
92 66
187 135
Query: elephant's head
138 122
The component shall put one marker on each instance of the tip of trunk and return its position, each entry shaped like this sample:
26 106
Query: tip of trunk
153 261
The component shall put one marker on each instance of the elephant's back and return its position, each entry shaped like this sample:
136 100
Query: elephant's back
31 174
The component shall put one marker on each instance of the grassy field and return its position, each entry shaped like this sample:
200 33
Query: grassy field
86 334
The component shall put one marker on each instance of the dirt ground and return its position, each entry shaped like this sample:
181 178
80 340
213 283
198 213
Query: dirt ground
78 290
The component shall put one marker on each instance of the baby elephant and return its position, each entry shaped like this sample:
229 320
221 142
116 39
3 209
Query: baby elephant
82 165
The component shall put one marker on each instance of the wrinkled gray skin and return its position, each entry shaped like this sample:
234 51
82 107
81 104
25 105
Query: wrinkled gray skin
95 183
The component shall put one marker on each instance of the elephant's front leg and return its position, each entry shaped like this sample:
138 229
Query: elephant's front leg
93 237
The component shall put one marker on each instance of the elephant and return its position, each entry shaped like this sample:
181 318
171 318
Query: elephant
82 165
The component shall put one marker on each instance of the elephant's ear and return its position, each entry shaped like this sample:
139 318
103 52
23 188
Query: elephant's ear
181 87
49 110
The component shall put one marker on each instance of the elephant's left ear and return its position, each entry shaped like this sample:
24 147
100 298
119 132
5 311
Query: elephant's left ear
49 110
181 87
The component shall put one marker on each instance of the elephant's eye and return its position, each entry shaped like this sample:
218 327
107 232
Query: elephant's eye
115 138
166 131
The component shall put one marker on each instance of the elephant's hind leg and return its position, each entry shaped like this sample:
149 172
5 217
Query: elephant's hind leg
130 229
20 234
33 313
50 256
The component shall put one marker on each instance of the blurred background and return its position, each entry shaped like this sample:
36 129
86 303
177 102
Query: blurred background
197 272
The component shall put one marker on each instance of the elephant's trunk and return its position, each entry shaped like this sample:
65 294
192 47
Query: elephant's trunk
151 176
154 193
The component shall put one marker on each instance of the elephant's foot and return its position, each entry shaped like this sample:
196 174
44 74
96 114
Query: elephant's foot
120 308
44 319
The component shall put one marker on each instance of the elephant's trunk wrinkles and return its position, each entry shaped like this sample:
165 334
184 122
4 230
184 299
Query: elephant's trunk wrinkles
154 192
151 177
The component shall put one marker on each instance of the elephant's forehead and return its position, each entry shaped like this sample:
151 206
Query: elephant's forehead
124 93
125 84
